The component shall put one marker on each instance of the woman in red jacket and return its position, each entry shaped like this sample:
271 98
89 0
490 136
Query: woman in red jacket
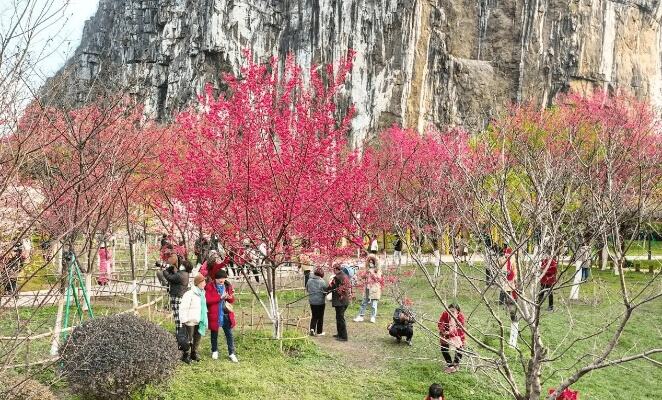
451 333
547 282
219 294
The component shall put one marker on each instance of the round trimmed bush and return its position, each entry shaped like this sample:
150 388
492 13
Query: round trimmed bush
111 357
22 388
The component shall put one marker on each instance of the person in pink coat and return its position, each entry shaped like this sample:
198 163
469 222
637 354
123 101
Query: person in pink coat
105 265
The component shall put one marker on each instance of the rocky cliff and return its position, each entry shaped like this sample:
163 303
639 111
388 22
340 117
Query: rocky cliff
418 61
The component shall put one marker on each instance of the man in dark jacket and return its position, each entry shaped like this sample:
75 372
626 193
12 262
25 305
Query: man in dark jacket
397 251
200 249
177 277
403 325
341 290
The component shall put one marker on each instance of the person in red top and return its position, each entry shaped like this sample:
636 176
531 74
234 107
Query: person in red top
435 392
547 282
219 294
213 264
507 278
451 333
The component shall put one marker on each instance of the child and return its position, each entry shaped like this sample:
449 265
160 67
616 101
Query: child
193 314
435 392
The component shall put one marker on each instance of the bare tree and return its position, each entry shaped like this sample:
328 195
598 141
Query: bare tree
541 183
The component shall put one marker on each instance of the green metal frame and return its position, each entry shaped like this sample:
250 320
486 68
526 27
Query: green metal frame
74 277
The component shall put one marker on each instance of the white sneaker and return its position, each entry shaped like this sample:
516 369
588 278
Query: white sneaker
358 319
234 358
214 355
321 334
372 319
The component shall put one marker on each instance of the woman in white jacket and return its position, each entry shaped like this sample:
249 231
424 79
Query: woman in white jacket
193 316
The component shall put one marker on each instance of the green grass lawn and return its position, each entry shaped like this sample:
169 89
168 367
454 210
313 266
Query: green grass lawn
372 366
640 248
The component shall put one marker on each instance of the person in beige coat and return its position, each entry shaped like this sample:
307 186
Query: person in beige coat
372 278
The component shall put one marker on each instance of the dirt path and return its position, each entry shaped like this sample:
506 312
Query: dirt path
369 345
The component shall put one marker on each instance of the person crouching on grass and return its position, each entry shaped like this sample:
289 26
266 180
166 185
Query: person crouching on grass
451 334
403 325
219 294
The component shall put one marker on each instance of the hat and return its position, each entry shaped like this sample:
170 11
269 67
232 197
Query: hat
198 278
221 274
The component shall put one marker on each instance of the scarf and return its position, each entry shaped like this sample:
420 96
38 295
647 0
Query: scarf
204 322
220 289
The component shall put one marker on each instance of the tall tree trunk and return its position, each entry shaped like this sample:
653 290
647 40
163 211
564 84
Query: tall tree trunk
132 260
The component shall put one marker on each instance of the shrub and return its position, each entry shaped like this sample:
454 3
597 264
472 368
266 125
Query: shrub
22 388
111 357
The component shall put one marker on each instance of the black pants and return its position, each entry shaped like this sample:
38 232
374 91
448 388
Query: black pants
193 338
445 351
317 319
399 330
306 276
546 290
341 325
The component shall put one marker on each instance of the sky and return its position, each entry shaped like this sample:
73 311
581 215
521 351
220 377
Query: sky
57 39
67 34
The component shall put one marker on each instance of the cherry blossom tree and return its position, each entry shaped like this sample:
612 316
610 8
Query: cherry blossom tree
267 162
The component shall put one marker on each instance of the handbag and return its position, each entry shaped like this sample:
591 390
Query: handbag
227 308
182 339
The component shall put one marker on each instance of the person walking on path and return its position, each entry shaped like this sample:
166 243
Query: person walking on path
451 334
219 295
193 314
341 290
547 282
397 251
105 264
373 281
177 276
584 257
374 245
316 288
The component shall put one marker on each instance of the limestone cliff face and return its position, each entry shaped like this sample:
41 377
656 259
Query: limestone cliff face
418 62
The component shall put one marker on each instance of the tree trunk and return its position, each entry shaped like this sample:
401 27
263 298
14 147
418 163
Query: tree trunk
574 290
273 303
55 345
604 256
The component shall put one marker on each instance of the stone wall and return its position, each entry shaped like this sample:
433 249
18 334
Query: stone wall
418 62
